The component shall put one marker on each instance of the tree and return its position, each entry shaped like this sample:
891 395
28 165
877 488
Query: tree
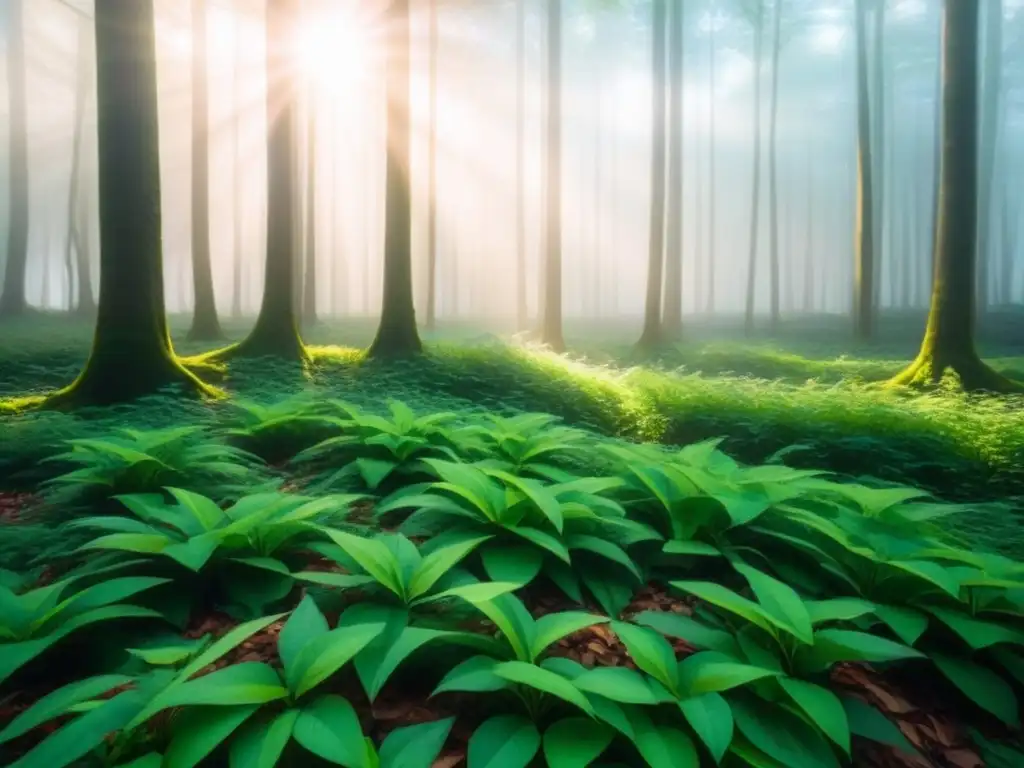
948 343
864 278
709 299
309 315
276 332
521 309
773 163
551 305
877 111
397 335
990 117
431 318
76 243
673 319
239 104
652 332
205 324
755 13
131 352
12 300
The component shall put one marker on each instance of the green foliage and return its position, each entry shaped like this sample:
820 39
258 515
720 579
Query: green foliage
279 430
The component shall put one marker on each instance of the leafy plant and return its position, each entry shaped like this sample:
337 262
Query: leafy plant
528 445
279 430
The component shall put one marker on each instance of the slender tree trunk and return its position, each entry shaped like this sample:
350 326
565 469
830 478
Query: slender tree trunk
672 325
522 319
237 213
709 298
948 343
86 305
551 322
205 324
992 86
748 320
907 225
879 141
131 353
431 319
13 301
653 333
864 278
397 335
309 308
773 162
1007 246
276 332
809 277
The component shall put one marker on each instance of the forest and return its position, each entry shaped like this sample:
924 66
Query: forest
512 383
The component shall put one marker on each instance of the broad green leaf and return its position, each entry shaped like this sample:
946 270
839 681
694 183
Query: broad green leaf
662 746
711 719
692 631
780 601
626 686
519 564
542 498
651 652
504 741
475 674
512 619
202 509
542 539
415 746
331 579
907 623
60 701
327 654
838 609
141 543
474 594
691 547
260 743
977 633
575 742
980 684
943 578
439 562
552 627
835 645
708 672
782 735
373 557
538 678
329 728
727 600
869 723
251 682
605 549
822 706
304 626
200 730
374 471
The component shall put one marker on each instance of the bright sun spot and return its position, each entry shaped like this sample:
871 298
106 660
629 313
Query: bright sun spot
336 50
828 38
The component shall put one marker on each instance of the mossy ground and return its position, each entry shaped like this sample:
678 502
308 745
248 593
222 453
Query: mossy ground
809 390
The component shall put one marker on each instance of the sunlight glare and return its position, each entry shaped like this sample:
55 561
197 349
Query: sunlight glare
335 50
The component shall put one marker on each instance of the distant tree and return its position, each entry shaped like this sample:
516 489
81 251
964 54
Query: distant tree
309 310
12 300
205 324
652 333
433 36
876 100
76 244
773 169
991 114
397 334
754 11
948 343
237 212
521 307
864 278
709 298
131 353
551 303
672 323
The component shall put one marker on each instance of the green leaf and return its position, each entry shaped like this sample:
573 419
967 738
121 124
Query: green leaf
415 746
691 547
837 609
662 746
331 579
542 539
329 728
328 653
538 678
439 562
305 625
908 624
251 682
140 543
980 684
512 619
711 719
261 744
541 497
473 594
727 600
943 578
373 557
552 627
623 685
505 741
519 564
475 674
835 645
692 631
780 601
374 471
200 730
869 723
650 651
58 702
708 672
202 509
782 735
575 742
605 549
977 633
823 707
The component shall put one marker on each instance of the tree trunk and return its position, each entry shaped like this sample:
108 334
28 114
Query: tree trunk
397 335
276 332
773 162
652 333
755 192
309 311
709 299
992 86
948 343
877 112
73 244
551 310
1008 245
205 325
672 324
131 353
237 213
809 277
521 308
13 301
431 319
864 278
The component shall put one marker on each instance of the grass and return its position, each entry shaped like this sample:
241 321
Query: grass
763 397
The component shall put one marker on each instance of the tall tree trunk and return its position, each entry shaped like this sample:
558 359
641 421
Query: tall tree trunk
773 162
948 343
309 312
551 310
131 353
748 318
276 332
652 333
12 300
709 299
238 210
879 141
1008 244
521 307
397 334
809 277
864 277
205 325
431 319
992 86
86 305
672 324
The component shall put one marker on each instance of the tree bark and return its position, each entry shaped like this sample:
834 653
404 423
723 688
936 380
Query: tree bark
653 333
773 162
864 268
948 343
73 245
397 335
522 319
809 276
309 309
992 80
709 298
877 112
672 324
431 319
551 310
237 212
13 301
755 191
131 353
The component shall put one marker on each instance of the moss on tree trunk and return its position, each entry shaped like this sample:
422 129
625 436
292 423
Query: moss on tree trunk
397 335
948 344
131 354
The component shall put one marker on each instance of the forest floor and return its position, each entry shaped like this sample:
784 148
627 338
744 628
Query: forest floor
806 393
